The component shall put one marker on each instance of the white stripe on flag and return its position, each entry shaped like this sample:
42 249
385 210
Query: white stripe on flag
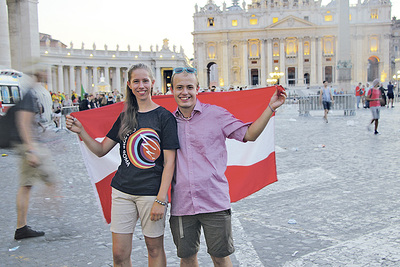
246 154
99 168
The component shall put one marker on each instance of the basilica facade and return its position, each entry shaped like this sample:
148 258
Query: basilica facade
295 41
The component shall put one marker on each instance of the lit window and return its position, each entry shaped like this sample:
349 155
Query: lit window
210 22
306 48
328 17
275 50
374 14
211 51
350 17
253 21
374 44
274 20
234 22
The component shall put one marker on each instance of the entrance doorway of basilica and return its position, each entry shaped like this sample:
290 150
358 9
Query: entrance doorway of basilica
373 68
212 75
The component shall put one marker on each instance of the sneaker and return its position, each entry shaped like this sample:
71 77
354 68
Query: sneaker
26 232
376 132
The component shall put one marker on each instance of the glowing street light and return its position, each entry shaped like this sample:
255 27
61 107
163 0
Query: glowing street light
275 76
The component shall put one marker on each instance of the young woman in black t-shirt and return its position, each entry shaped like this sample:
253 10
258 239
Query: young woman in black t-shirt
147 135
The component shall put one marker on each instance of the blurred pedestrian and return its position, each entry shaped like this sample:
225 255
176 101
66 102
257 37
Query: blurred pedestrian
326 99
147 135
35 158
56 108
358 94
390 94
84 104
374 98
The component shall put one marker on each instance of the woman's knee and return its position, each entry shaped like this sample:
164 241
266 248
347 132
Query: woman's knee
155 246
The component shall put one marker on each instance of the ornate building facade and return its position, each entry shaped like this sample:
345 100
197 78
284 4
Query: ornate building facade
69 68
245 44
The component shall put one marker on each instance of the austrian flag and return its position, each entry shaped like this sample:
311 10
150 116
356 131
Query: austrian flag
251 165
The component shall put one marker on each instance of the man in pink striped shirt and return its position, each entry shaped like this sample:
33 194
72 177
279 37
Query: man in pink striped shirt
200 190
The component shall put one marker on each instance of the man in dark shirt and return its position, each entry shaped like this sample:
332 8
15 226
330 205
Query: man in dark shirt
390 94
35 160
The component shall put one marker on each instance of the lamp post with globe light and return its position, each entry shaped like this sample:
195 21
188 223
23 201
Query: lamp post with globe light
397 79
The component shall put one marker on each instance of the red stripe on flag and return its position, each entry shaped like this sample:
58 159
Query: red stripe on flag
103 188
246 180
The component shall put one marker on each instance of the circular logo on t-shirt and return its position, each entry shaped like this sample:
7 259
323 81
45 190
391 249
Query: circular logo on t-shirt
143 148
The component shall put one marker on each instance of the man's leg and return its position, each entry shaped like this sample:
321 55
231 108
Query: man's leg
122 247
155 250
222 262
23 196
190 261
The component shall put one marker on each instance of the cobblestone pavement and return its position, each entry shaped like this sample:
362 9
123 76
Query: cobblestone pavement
336 202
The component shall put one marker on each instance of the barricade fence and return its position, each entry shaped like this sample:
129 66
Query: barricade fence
345 102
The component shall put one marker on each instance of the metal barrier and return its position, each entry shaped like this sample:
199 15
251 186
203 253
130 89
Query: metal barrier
345 102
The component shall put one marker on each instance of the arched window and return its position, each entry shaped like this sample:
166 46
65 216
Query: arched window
235 51
211 51
306 48
275 49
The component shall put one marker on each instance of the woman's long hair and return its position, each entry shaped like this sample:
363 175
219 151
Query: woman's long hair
131 107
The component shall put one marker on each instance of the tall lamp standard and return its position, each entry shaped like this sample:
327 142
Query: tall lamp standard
397 79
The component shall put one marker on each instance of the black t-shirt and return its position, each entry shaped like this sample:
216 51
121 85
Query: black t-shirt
141 152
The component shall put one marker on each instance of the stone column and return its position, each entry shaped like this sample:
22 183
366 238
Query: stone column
270 57
60 73
300 62
245 67
118 78
385 73
225 65
344 65
201 55
282 57
313 78
95 78
72 79
23 33
49 78
263 77
5 55
66 80
319 61
359 48
158 79
107 75
83 80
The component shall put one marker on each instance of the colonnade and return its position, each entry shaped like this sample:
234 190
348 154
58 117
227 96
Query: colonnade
68 78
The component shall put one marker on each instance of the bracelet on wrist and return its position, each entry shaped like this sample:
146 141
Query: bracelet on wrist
160 202
271 108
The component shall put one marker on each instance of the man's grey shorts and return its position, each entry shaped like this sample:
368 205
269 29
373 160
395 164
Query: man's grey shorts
376 112
217 229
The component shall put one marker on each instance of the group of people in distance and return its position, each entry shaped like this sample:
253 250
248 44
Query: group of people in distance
199 192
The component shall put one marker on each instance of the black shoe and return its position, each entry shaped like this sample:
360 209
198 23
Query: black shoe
376 132
26 232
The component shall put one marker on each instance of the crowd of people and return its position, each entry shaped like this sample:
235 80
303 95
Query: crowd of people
85 102
387 94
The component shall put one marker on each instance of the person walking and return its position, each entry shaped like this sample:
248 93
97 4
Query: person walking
390 94
147 135
326 99
374 98
358 95
200 191
35 157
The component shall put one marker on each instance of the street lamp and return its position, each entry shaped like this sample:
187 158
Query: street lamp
397 79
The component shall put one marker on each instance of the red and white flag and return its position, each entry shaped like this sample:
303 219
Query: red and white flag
251 165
